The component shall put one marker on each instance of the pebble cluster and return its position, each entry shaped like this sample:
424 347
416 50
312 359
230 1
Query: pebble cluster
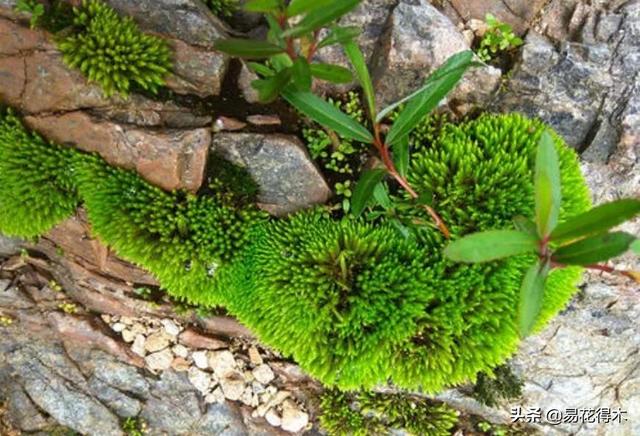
219 370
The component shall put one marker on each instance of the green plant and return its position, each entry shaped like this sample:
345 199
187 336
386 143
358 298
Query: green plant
69 308
344 193
582 240
223 8
337 295
498 38
501 383
113 52
290 69
366 413
134 427
36 187
33 7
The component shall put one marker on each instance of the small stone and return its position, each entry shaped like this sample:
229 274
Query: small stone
180 351
217 396
293 419
159 361
127 320
233 386
106 318
138 346
254 356
200 379
195 340
156 342
128 335
180 364
479 27
263 374
118 327
272 401
248 398
226 123
200 359
257 388
170 327
273 418
469 36
222 363
264 120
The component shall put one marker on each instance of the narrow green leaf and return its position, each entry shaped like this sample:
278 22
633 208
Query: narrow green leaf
547 186
262 5
636 247
318 18
280 61
401 156
297 7
301 74
327 115
436 87
331 73
340 35
275 31
270 87
364 190
594 249
490 245
531 297
248 49
525 225
381 196
362 71
597 220
260 69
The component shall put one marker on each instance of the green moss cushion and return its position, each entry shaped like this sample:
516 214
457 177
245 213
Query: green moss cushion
36 182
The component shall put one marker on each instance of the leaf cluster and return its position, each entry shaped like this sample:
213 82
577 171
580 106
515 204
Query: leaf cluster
223 8
498 38
113 52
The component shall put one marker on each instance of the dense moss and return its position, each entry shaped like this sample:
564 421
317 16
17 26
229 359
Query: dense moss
367 413
113 52
180 237
36 185
500 384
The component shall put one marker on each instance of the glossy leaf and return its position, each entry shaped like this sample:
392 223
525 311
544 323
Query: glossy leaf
320 17
597 220
260 69
327 115
635 247
525 225
331 73
362 71
269 88
301 74
248 49
340 35
262 5
490 245
594 249
401 156
547 186
297 7
381 196
531 297
364 189
420 103
275 31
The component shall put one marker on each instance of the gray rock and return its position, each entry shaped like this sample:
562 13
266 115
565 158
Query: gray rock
21 410
288 179
122 404
419 39
9 246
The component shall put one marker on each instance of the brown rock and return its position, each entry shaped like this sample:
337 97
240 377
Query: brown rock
192 339
197 70
518 13
170 159
16 39
264 120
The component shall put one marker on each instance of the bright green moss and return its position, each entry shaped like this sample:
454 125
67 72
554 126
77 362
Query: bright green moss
113 52
337 295
36 184
180 237
367 413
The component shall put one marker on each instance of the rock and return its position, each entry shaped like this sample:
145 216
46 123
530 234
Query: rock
248 398
156 342
171 159
118 327
263 374
264 120
200 359
288 179
517 13
180 351
138 346
245 78
217 396
9 246
223 123
275 400
233 385
273 418
293 419
418 40
222 363
200 379
22 411
159 361
254 356
192 339
180 364
119 402
170 327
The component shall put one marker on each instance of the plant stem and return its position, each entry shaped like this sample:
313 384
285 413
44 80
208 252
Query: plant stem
605 268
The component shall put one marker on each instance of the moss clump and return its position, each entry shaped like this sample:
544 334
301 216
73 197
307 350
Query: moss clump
223 8
113 52
500 384
36 185
365 413
180 237
231 181
337 295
